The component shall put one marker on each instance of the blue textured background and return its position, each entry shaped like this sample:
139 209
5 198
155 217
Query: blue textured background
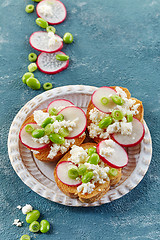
115 43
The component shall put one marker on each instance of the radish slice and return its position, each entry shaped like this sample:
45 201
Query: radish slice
48 63
119 157
53 11
27 140
71 113
103 92
40 42
59 103
62 173
134 138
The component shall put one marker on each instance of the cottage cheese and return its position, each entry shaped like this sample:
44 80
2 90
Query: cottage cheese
78 155
53 39
27 208
40 116
86 187
109 149
17 222
44 139
45 10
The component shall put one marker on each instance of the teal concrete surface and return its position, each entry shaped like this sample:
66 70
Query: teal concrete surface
115 43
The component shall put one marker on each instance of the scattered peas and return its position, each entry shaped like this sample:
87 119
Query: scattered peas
91 150
117 100
32 216
49 129
29 8
93 159
62 57
29 128
47 86
73 173
32 57
68 37
46 122
38 133
56 138
87 177
44 226
33 83
34 226
129 117
32 67
42 23
117 114
105 122
25 237
59 117
50 29
53 111
64 132
26 76
113 172
82 169
104 101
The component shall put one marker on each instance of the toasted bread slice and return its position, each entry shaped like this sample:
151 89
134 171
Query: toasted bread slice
100 189
43 153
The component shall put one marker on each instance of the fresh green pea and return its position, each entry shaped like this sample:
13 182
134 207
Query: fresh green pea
34 226
42 23
129 117
56 138
59 117
32 67
117 114
113 172
29 128
38 133
105 122
64 132
29 8
32 57
47 121
104 101
32 216
49 129
25 237
50 29
68 37
53 111
44 226
47 86
73 173
62 57
33 83
87 177
82 169
36 0
93 159
117 100
26 76
91 150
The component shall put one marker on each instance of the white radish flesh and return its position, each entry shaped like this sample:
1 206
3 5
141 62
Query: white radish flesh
59 103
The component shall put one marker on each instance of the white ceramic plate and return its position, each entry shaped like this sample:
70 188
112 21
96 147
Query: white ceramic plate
39 175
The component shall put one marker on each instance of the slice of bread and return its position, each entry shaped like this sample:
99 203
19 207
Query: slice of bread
100 189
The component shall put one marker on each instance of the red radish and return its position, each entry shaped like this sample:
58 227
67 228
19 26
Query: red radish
119 157
48 63
99 94
27 140
134 138
71 113
40 41
53 11
62 173
59 103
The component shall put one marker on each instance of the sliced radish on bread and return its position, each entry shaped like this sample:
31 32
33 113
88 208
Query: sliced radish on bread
48 63
119 157
71 113
62 173
53 11
42 41
59 103
27 139
134 138
99 94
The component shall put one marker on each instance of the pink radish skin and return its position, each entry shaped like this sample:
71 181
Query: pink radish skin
118 159
59 103
126 140
103 92
62 174
43 68
40 35
51 22
26 139
71 113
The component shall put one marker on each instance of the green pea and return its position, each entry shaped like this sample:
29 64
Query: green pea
25 237
82 169
33 83
113 172
93 159
105 122
64 132
68 37
47 86
36 0
104 101
32 57
73 173
46 122
62 57
56 138
32 67
26 76
59 117
91 150
44 226
38 133
87 177
117 115
42 23
29 8
34 226
117 100
50 29
29 128
49 129
129 117
53 111
32 216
